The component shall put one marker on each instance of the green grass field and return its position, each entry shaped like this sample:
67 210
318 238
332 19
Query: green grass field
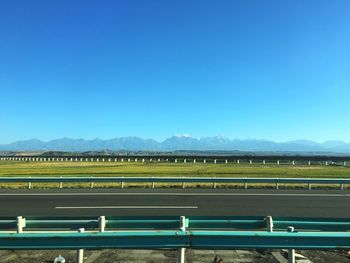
169 169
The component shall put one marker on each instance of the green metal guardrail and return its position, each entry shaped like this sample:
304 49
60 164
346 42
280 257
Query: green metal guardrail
173 222
213 180
171 239
175 233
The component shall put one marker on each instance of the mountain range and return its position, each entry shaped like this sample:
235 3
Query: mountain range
178 142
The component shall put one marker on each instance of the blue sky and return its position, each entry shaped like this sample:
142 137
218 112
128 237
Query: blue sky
276 70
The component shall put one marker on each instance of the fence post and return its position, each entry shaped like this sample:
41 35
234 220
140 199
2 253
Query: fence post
80 253
291 252
182 251
21 223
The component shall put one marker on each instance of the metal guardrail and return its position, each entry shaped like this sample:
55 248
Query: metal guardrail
176 233
173 222
176 239
182 180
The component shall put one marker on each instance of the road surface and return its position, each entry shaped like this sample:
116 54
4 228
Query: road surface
153 202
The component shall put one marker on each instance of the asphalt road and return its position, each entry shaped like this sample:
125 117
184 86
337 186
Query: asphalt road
153 202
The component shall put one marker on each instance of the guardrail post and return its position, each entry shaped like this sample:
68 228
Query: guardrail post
102 223
245 183
309 163
250 161
269 224
293 162
264 162
214 183
215 161
182 251
183 185
344 163
341 186
291 252
309 185
92 182
122 184
153 184
204 161
21 223
60 184
226 161
277 185
80 253
29 184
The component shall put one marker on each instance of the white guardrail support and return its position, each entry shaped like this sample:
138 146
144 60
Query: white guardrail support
269 224
291 252
80 254
182 251
21 223
102 223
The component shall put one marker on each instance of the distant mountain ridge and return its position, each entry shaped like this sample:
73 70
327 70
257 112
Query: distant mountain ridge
174 143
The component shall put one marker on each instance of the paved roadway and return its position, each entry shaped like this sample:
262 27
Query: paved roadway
206 202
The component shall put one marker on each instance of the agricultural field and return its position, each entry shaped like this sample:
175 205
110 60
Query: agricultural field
15 168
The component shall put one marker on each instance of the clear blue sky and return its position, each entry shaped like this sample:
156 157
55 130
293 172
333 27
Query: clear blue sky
277 70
